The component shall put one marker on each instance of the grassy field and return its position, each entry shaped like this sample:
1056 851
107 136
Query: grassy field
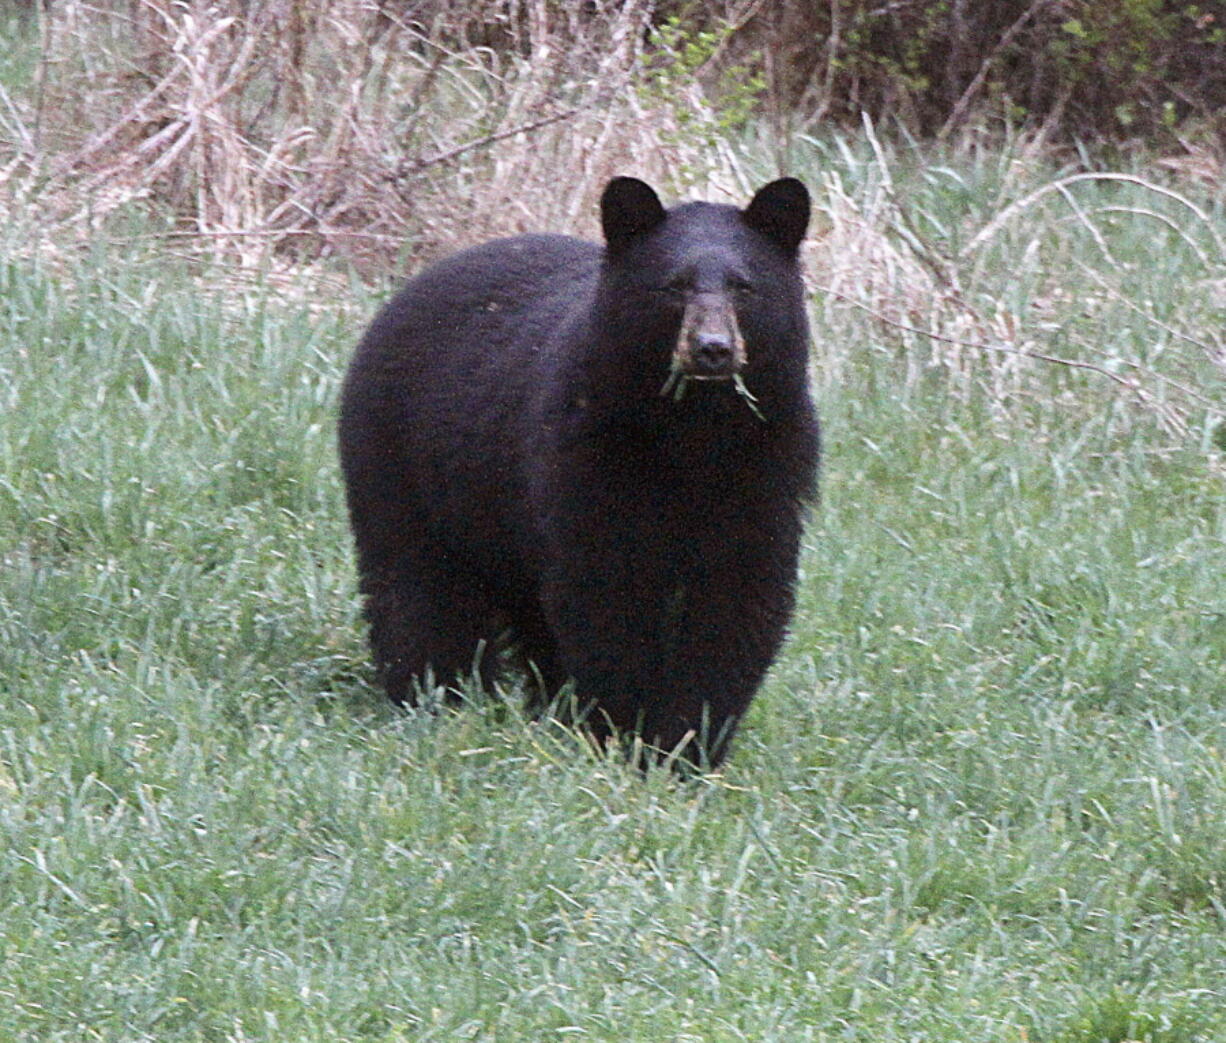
981 798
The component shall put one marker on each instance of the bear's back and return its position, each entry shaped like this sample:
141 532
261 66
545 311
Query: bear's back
487 299
439 387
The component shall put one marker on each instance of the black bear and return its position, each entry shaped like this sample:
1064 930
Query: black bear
602 451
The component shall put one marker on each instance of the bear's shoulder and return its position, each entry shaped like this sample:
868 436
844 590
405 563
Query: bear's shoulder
523 259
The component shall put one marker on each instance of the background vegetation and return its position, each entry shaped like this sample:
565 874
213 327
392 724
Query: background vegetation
981 796
1074 67
363 128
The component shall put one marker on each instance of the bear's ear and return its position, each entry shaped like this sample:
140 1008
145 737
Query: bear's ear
780 211
629 207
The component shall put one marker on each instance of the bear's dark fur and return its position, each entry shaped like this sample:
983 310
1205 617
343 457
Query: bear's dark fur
606 448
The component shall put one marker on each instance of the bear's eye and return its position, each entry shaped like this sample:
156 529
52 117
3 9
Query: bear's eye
739 285
675 287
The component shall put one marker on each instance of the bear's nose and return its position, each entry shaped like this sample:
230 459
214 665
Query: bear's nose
712 354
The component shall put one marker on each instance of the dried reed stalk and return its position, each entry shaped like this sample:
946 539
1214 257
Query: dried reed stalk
356 128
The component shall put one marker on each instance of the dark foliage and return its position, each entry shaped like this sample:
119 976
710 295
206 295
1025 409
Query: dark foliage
1080 67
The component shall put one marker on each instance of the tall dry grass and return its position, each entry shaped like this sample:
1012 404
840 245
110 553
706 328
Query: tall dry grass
354 128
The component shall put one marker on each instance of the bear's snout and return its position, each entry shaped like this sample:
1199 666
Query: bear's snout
712 355
710 346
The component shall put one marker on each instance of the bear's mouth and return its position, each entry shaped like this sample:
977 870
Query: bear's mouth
678 379
708 378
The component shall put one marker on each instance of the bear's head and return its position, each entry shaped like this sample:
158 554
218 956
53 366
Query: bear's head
718 285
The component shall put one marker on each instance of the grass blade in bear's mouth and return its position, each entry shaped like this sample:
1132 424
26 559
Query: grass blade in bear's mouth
678 378
751 400
675 383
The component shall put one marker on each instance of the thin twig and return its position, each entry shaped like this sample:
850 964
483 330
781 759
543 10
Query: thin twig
960 107
1086 223
127 119
248 233
1216 352
983 346
415 166
18 125
1008 213
1138 211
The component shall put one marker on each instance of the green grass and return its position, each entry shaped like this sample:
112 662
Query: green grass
982 797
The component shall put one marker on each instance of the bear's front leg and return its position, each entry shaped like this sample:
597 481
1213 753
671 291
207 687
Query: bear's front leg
672 648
